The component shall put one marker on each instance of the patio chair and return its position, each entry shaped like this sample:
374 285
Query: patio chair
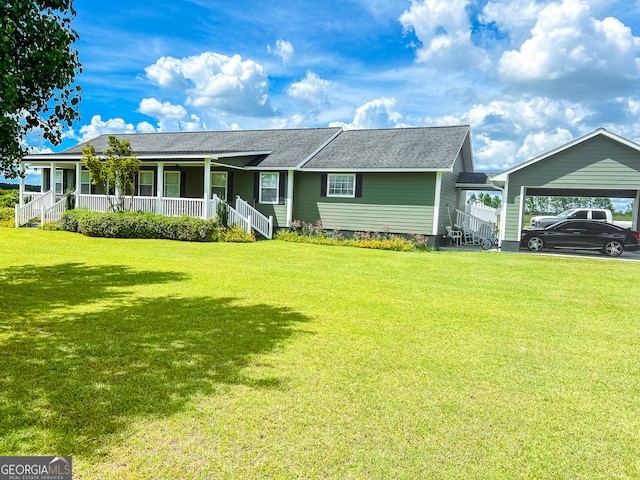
454 236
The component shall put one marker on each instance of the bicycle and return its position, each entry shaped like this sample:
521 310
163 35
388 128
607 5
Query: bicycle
492 241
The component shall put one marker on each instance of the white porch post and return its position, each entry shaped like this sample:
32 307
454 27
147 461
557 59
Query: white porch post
52 181
21 199
207 188
436 205
78 180
289 197
160 188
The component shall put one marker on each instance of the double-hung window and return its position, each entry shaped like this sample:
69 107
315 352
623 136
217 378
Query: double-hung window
172 184
269 182
219 184
341 185
59 182
85 182
145 183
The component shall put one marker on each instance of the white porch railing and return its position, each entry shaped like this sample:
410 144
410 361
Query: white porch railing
144 204
182 206
54 212
236 219
260 223
34 208
244 220
474 229
95 203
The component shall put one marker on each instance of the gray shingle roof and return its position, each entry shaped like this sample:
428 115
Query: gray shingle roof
398 148
288 147
471 178
418 148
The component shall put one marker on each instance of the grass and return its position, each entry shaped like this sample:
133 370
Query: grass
159 359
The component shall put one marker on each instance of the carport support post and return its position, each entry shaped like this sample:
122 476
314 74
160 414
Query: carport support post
635 221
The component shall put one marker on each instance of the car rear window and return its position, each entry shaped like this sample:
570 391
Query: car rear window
598 215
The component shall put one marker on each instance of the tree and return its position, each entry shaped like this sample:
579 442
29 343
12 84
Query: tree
115 173
38 66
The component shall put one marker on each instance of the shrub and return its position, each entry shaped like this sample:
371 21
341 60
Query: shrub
9 199
301 232
7 216
71 218
149 225
234 234
51 226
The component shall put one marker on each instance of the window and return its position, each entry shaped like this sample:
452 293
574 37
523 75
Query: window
342 185
172 184
581 214
145 183
85 182
269 187
598 215
59 183
219 184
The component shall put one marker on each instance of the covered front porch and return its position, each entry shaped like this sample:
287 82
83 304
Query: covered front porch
165 188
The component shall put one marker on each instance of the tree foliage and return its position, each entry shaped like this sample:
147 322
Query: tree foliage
554 205
38 66
488 200
115 172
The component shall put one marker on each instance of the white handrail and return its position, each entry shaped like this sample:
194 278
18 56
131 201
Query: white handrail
33 209
258 221
54 212
474 227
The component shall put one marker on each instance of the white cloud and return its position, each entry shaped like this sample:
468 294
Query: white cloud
170 117
541 142
167 73
216 83
567 41
444 29
100 127
379 113
311 91
283 49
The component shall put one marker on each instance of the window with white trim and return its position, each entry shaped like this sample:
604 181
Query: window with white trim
145 183
59 182
85 182
341 185
172 184
269 182
219 184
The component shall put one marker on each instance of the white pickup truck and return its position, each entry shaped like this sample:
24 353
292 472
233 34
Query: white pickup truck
600 214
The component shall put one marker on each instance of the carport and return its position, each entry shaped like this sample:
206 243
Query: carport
600 164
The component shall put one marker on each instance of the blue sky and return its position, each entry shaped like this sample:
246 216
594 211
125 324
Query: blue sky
527 75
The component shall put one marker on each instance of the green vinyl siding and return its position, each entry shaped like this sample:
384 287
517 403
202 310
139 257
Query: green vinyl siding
450 198
599 163
403 201
243 186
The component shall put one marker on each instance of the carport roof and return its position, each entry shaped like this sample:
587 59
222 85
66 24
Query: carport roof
502 177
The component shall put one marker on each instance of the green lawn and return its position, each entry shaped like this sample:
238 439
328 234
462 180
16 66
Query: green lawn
159 359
